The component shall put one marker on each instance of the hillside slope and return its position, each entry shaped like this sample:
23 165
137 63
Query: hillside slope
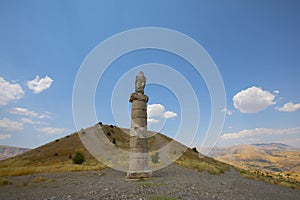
57 156
274 158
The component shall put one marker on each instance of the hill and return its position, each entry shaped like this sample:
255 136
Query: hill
272 159
57 156
9 151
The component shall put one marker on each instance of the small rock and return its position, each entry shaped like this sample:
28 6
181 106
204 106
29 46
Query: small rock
223 183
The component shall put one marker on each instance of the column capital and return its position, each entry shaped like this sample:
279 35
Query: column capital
138 96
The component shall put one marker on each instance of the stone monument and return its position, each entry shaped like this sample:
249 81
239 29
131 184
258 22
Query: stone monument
138 152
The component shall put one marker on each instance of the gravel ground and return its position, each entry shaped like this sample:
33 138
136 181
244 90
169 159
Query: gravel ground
174 182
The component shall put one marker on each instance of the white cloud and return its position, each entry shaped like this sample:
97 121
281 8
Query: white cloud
23 111
43 116
52 130
158 111
152 121
10 125
29 121
154 110
9 92
39 84
169 114
289 107
276 92
253 100
5 136
257 133
29 113
227 111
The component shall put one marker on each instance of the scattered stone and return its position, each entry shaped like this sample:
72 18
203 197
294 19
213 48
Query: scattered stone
178 183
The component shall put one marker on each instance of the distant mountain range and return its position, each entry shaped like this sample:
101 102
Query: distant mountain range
275 158
9 151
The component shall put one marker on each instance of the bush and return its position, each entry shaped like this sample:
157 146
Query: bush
114 140
195 150
78 158
4 181
155 157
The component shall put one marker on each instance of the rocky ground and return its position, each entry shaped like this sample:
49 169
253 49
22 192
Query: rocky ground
174 182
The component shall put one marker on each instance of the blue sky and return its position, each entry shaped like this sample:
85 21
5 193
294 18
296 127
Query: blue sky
254 44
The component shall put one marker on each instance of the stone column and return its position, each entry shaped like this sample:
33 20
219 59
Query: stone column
138 155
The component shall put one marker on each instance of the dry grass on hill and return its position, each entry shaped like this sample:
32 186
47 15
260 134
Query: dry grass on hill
57 156
275 163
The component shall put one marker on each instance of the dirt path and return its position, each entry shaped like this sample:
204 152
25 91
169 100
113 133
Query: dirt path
173 181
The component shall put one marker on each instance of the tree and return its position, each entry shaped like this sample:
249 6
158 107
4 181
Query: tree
78 158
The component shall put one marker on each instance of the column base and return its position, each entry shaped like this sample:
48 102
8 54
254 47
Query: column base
134 175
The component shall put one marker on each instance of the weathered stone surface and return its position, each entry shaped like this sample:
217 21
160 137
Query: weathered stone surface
138 156
138 145
139 114
138 97
139 105
140 82
139 123
139 174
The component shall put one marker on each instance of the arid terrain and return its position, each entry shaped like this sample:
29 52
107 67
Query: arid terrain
173 182
48 172
274 159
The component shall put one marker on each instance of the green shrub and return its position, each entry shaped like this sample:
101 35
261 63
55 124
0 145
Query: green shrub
4 181
195 150
155 157
78 158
